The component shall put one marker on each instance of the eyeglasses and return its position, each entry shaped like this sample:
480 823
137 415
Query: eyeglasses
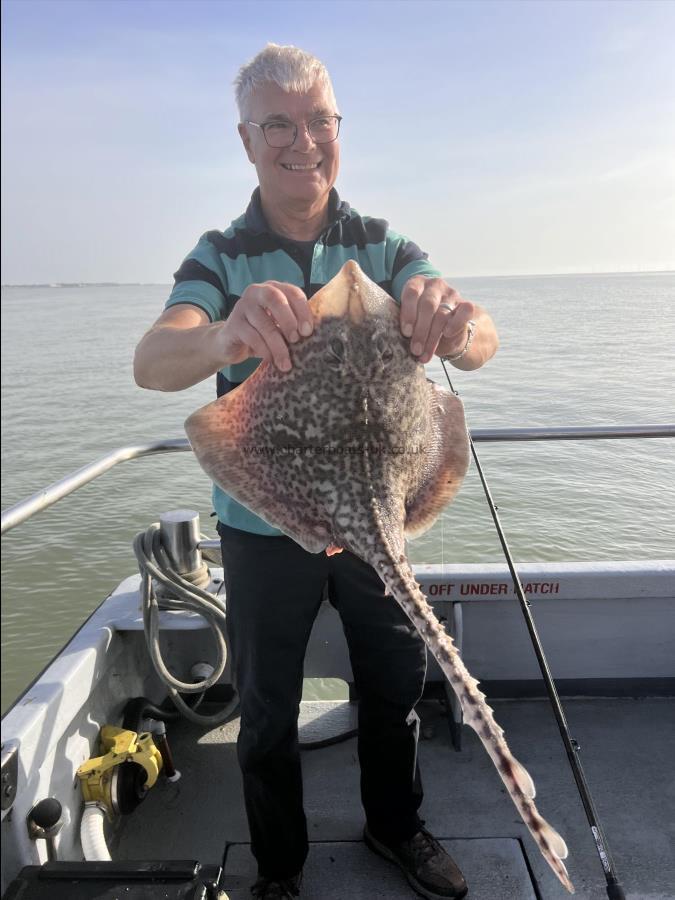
322 130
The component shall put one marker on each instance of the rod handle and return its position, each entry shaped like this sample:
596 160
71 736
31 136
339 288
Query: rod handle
615 892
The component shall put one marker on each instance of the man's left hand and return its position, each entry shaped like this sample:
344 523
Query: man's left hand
432 312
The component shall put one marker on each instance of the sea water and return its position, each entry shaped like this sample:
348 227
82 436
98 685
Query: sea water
575 350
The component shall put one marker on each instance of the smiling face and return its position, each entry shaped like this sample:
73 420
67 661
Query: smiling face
281 185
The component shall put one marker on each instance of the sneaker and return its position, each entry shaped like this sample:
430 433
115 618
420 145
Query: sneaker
283 889
426 865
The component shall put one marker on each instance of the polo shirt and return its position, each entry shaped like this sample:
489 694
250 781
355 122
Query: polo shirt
224 263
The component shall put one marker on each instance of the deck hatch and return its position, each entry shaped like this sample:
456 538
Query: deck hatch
493 867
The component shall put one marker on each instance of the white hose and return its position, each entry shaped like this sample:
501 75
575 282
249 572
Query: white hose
154 562
92 836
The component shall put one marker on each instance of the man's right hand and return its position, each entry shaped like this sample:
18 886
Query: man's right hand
183 347
265 320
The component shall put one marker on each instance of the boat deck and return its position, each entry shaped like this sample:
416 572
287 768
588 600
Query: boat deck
627 753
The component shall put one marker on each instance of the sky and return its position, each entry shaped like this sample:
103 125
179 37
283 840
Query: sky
502 137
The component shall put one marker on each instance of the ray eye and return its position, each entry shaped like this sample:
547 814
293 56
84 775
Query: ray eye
384 349
336 350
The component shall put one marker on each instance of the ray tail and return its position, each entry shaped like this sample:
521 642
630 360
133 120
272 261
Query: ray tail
400 582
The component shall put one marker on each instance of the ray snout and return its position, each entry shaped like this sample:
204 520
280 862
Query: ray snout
343 296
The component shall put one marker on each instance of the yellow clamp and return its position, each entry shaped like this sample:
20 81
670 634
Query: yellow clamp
117 746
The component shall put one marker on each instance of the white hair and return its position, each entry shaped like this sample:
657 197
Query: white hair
289 67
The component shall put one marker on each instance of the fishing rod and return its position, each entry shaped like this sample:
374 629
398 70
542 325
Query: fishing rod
572 747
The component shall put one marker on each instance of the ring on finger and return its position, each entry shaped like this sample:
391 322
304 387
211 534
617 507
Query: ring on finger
446 306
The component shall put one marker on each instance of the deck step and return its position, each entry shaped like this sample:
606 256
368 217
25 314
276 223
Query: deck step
493 867
324 720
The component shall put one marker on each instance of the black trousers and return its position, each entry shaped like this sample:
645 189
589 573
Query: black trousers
274 591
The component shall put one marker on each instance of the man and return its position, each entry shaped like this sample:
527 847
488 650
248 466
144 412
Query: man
241 296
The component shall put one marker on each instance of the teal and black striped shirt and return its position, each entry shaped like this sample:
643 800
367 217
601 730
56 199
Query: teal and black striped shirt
224 263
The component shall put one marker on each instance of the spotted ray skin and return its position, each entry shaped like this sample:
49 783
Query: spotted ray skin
354 448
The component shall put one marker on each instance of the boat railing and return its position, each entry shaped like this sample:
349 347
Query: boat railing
56 491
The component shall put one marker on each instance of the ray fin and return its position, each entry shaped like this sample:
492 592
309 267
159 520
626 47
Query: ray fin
558 845
230 449
444 464
524 781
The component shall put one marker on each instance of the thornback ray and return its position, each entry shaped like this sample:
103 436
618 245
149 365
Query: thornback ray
354 448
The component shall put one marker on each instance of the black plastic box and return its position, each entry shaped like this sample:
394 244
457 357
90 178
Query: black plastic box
118 880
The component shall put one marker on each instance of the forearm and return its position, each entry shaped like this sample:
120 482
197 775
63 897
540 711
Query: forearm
483 346
172 359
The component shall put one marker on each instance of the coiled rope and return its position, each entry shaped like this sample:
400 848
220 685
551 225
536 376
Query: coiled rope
183 595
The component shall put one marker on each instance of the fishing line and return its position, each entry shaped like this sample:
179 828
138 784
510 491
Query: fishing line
614 889
442 539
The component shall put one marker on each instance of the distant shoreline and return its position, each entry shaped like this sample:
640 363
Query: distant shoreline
78 284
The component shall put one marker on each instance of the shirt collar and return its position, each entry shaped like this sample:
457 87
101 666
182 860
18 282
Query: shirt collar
256 222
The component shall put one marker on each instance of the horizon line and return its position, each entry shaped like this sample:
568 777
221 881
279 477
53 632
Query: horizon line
58 284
